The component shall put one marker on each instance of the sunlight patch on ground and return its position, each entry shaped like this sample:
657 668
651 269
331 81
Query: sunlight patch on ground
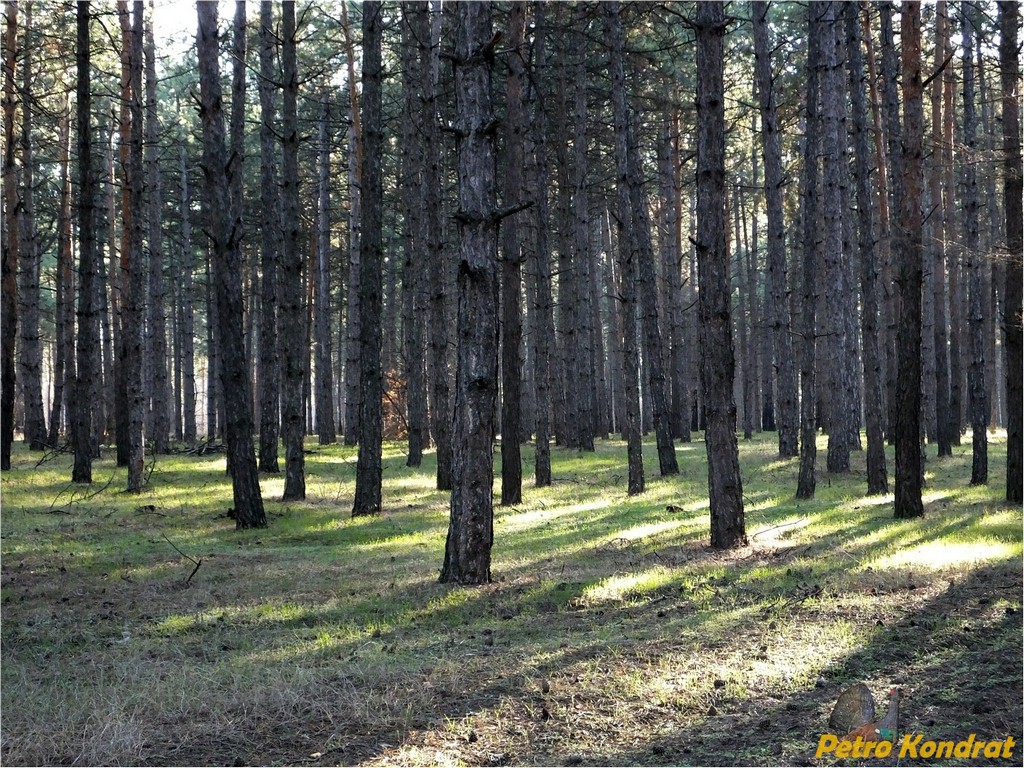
630 584
533 517
943 554
650 529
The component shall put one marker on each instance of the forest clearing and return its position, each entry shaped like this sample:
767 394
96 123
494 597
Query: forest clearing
611 634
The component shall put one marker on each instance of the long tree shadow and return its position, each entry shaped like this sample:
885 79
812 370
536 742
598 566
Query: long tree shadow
957 657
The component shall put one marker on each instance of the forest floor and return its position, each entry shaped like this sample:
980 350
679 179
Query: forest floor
612 634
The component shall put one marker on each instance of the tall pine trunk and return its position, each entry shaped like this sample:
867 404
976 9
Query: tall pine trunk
1009 15
371 263
30 350
467 558
511 263
156 324
325 429
88 322
725 487
628 256
787 415
291 316
270 246
869 283
910 252
225 231
64 343
9 285
977 391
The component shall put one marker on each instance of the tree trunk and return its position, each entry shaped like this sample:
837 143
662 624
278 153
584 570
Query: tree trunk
413 240
894 152
87 320
353 398
809 213
9 305
542 330
977 391
187 303
628 256
437 263
470 531
225 231
133 273
64 342
725 488
869 283
786 416
156 325
834 176
511 262
291 319
909 468
1009 15
741 317
270 246
30 350
371 258
324 372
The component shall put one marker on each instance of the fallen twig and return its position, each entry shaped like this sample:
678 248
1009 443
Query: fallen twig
191 559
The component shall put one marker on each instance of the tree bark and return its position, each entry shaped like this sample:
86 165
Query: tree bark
325 429
9 305
542 330
977 391
413 234
1009 16
353 397
64 343
511 262
787 414
225 231
628 256
811 248
270 247
133 273
834 175
156 324
437 262
87 319
30 350
470 530
909 469
869 283
725 487
291 317
371 264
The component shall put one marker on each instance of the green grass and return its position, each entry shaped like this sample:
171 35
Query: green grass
612 633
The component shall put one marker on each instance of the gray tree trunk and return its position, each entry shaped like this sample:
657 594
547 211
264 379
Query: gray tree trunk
371 264
64 342
133 271
1009 19
30 349
355 219
413 239
628 256
156 322
188 360
270 247
467 557
977 391
869 283
225 231
909 469
325 429
511 261
725 488
291 317
811 247
9 305
88 322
